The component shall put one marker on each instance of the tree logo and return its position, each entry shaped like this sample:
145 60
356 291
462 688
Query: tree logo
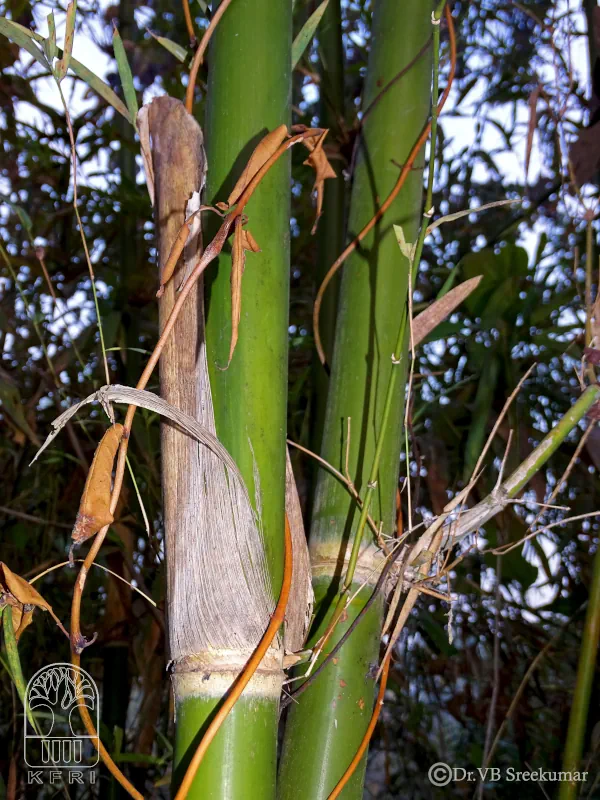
55 737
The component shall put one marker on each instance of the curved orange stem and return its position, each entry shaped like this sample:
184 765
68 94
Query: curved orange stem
389 199
244 677
199 54
188 21
368 733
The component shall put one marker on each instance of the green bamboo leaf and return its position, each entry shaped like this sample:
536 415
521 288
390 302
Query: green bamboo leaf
101 88
307 32
480 413
449 282
12 406
180 53
125 75
14 662
23 37
12 654
50 43
63 65
23 216
407 249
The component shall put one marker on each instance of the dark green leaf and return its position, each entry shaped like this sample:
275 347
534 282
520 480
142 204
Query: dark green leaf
126 76
307 32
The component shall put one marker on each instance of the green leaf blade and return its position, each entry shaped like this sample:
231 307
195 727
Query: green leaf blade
177 50
307 32
126 76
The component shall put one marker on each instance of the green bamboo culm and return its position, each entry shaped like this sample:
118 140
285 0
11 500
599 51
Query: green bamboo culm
252 39
331 230
248 94
572 759
332 715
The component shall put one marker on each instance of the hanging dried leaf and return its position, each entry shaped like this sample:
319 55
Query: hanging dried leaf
176 251
260 155
18 593
21 619
323 169
533 119
249 242
143 124
94 509
242 241
62 66
440 309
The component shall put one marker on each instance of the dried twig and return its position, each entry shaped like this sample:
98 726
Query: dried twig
343 479
388 201
188 22
199 54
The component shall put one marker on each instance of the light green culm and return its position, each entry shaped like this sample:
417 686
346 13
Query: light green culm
248 94
326 726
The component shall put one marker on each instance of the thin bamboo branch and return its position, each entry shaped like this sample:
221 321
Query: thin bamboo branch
583 686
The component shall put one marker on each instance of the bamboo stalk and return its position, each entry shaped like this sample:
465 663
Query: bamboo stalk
331 231
332 716
248 93
583 688
250 395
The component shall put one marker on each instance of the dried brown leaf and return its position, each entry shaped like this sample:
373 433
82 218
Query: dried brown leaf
19 590
143 124
176 251
18 593
94 509
249 242
21 619
260 155
592 356
533 118
438 311
323 169
242 241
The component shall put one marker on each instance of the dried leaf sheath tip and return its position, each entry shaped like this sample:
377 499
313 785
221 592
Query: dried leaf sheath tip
94 509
